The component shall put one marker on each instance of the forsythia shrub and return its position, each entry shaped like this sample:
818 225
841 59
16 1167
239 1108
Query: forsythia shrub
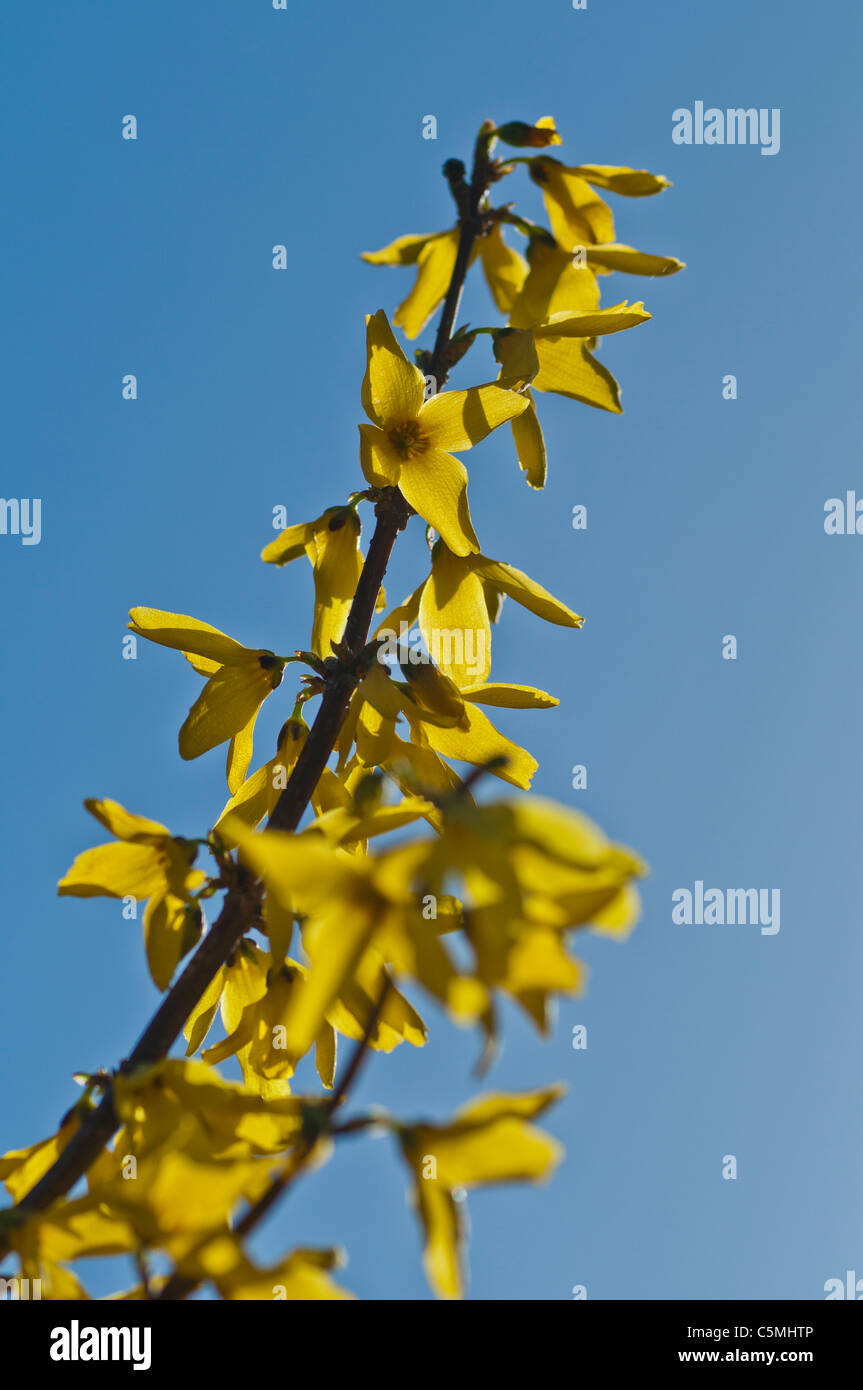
320 927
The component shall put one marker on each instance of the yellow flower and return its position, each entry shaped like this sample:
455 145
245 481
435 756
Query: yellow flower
256 1038
563 363
258 794
579 217
472 738
21 1169
240 679
217 1118
189 1147
504 268
254 1025
442 718
488 1141
359 911
408 445
551 288
455 607
303 1275
177 1198
446 683
145 861
527 872
435 255
553 354
336 894
70 1231
553 281
331 543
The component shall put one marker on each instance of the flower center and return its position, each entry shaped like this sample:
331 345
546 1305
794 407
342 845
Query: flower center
408 439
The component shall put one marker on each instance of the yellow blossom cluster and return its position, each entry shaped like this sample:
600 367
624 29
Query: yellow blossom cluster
398 879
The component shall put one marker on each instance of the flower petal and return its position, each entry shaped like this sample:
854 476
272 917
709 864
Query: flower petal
443 1225
515 350
616 256
187 634
204 665
379 461
124 825
338 566
117 870
504 268
530 445
554 283
568 367
455 420
225 706
200 1020
525 1105
172 928
250 802
240 751
435 265
579 217
586 324
453 619
393 388
435 485
526 591
509 696
291 543
633 183
403 251
479 743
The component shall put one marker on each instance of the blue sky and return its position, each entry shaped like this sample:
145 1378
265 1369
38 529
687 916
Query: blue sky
153 257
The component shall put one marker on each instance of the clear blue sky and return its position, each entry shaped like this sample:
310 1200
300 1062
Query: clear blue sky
303 127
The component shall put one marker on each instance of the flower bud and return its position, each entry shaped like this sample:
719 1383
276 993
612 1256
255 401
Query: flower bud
524 136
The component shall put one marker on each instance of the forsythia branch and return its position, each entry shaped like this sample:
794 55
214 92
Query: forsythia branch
510 880
242 903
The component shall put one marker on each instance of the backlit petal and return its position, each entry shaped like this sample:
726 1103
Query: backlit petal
124 825
455 420
403 251
379 461
225 706
615 256
504 268
530 445
435 485
117 870
393 387
526 591
187 635
435 265
509 696
568 367
453 619
633 183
